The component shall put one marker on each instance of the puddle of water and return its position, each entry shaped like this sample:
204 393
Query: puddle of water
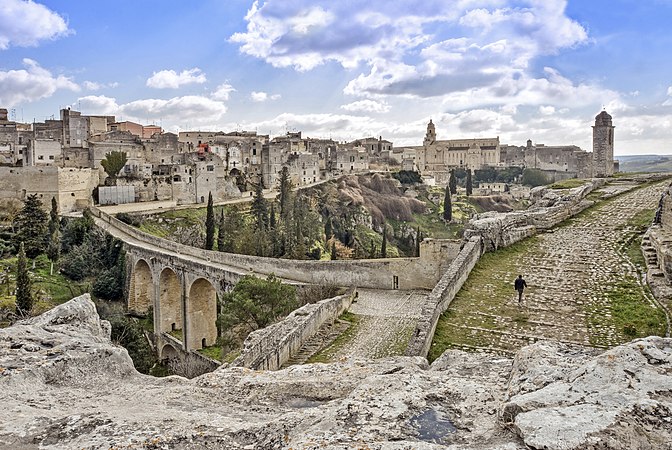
432 426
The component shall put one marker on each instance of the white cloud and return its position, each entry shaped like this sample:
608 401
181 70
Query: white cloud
25 23
669 91
367 106
546 110
495 41
95 86
31 84
263 96
97 104
223 92
191 107
169 79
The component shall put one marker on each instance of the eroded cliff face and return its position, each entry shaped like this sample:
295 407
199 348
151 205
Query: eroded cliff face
63 384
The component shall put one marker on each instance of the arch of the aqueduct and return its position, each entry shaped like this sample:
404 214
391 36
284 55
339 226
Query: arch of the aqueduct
182 298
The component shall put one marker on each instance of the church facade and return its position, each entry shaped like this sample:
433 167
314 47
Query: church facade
437 158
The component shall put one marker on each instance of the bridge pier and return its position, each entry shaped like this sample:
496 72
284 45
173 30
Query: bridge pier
182 298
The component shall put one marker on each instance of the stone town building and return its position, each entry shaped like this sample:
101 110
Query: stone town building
568 159
438 157
9 140
374 146
141 131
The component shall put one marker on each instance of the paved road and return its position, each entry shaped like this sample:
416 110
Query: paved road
571 271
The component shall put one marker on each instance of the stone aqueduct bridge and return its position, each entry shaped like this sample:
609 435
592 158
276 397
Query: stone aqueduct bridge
181 283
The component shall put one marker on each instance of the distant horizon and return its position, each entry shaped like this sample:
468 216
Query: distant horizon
517 69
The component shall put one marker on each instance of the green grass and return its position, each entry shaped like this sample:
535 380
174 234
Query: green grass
213 351
570 183
48 290
627 311
326 355
177 334
494 299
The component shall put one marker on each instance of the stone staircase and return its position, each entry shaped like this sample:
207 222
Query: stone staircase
321 340
651 257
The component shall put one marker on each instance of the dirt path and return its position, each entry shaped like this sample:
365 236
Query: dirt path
584 285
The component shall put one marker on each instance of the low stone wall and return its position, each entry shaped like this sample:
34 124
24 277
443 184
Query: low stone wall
503 229
488 232
188 364
271 347
442 295
409 273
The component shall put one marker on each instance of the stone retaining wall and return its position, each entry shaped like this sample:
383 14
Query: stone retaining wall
410 273
503 229
488 232
271 347
443 293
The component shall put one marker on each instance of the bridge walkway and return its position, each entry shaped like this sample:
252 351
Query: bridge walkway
378 324
584 279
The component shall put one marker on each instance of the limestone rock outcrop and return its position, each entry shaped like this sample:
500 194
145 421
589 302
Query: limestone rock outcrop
63 384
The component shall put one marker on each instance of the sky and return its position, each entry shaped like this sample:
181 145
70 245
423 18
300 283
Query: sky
348 69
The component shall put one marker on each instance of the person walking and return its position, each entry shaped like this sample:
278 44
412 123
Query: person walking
520 286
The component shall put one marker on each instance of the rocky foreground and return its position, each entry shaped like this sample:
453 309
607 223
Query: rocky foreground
63 384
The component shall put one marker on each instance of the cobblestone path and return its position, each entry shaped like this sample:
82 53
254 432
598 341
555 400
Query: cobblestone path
383 323
583 287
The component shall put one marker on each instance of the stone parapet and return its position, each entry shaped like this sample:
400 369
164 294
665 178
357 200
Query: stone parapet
443 293
409 273
550 209
271 347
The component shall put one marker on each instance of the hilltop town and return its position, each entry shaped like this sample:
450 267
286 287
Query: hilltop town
62 159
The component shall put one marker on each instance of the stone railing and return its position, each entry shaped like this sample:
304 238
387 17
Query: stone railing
442 295
503 229
271 347
410 273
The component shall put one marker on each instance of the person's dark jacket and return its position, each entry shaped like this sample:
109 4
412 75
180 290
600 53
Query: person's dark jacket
519 284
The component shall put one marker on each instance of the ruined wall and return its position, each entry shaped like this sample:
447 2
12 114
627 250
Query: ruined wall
503 229
71 187
271 347
659 237
410 273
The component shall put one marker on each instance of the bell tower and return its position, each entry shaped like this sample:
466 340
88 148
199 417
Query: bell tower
603 146
430 137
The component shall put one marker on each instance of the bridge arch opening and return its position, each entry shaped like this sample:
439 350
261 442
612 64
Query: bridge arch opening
168 352
201 314
139 295
170 298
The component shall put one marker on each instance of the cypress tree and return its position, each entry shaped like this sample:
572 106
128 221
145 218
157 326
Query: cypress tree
53 216
452 183
259 209
24 296
54 239
469 185
210 225
334 256
285 192
31 226
221 232
418 239
447 207
383 246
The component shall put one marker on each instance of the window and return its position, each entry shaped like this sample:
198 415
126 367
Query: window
211 168
51 157
40 157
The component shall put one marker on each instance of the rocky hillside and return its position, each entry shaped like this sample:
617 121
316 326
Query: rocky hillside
63 384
